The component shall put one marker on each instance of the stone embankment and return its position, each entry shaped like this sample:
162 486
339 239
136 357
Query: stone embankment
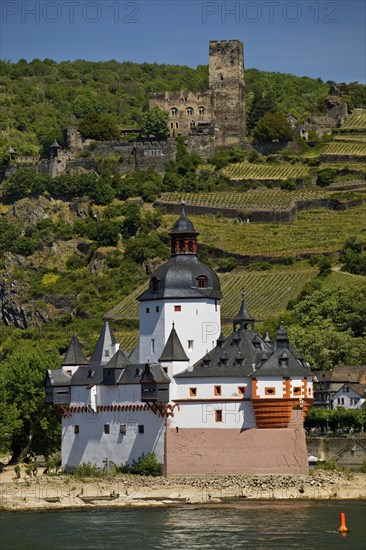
63 491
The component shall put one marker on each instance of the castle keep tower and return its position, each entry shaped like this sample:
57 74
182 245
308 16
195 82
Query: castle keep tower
226 85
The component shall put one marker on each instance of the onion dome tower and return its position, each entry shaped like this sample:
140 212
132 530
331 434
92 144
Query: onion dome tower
183 291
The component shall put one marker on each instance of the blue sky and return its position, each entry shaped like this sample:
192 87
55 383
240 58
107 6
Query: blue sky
317 38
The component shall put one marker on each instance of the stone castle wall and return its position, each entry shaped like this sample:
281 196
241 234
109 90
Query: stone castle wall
229 451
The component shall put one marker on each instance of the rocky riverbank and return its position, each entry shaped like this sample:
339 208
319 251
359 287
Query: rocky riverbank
64 491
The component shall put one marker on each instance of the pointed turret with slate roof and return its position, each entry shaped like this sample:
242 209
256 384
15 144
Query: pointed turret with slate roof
243 319
282 361
74 355
173 350
105 347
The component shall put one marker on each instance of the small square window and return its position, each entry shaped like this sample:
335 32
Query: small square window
241 390
76 429
147 310
193 392
217 390
157 309
106 429
177 308
190 345
218 416
141 428
122 429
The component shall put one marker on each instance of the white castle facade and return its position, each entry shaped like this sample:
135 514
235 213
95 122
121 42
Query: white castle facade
203 403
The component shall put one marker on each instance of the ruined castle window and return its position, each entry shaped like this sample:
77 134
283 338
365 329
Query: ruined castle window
189 111
202 281
176 125
106 429
192 124
218 416
241 390
141 428
76 429
171 125
201 110
269 391
217 391
174 111
193 392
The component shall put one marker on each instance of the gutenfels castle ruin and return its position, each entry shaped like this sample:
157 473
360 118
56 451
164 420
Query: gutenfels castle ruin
220 110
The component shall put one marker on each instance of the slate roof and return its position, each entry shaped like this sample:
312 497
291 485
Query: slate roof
243 316
360 389
105 343
183 224
281 363
232 357
57 377
56 144
178 279
74 355
154 373
173 350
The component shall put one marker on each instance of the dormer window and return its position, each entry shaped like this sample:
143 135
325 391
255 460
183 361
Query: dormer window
154 284
202 281
106 352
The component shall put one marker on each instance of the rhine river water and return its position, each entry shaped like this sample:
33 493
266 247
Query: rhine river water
257 525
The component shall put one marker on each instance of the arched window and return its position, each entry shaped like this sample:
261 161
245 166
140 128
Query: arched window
154 284
201 110
202 281
190 246
174 111
189 111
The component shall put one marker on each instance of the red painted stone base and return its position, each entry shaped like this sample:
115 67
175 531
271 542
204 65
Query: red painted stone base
229 451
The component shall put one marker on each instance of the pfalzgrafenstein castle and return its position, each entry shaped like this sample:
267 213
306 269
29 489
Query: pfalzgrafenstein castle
204 403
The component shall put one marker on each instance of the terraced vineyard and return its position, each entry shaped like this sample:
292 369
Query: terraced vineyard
350 137
245 171
358 166
355 121
341 279
345 148
313 231
267 292
348 180
260 199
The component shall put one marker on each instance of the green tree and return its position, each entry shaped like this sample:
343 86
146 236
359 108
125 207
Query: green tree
26 422
98 126
273 127
156 123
